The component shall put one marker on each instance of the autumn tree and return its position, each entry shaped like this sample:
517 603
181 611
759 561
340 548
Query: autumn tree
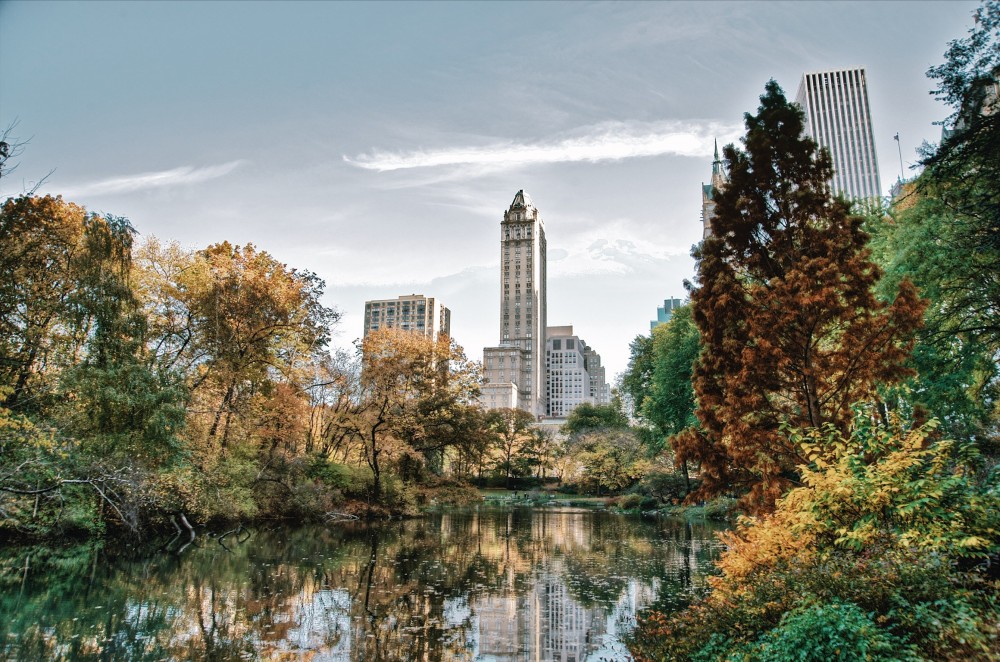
74 359
42 324
251 319
411 397
791 330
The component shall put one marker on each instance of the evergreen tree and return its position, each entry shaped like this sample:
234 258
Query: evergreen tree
791 330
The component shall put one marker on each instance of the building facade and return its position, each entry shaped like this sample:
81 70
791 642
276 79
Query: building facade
574 373
708 191
413 312
663 314
838 117
519 358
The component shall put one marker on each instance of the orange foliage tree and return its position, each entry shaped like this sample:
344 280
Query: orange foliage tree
790 328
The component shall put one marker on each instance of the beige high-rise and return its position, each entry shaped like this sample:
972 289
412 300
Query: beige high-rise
519 359
412 312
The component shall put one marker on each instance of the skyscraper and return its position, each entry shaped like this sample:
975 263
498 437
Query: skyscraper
663 314
413 312
574 373
519 359
838 118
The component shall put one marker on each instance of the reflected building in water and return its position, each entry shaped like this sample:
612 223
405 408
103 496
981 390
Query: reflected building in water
545 624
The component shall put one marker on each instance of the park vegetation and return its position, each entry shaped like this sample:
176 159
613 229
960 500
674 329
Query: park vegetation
147 387
844 388
835 375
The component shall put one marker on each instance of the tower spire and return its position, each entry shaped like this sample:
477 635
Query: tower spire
717 163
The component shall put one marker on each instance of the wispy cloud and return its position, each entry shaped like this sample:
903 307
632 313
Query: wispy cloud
182 176
617 246
609 141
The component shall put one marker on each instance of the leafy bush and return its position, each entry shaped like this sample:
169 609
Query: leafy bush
667 486
835 631
649 503
721 508
877 530
630 501
354 481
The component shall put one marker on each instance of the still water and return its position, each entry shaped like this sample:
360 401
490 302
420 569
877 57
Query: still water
483 584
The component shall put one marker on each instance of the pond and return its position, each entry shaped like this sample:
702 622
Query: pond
555 583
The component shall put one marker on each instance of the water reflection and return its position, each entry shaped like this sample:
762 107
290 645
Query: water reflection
548 584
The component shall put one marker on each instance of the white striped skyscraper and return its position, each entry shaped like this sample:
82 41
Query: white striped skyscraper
839 118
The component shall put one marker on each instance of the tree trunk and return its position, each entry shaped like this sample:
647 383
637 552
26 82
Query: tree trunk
223 407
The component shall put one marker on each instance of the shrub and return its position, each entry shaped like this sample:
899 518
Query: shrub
649 503
822 632
875 540
667 486
630 501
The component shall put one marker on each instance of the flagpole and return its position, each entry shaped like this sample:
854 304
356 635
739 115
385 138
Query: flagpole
900 148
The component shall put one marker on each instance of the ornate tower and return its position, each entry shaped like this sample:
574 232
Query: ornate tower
708 191
519 359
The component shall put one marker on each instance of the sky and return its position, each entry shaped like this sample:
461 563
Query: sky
378 144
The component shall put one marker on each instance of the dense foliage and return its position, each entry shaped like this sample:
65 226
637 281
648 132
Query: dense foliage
141 385
883 552
791 329
884 538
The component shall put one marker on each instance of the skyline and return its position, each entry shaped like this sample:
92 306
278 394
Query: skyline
347 139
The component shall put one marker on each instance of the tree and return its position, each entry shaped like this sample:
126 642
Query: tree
638 375
513 434
790 327
957 377
251 319
963 176
587 416
611 459
412 397
42 322
964 171
669 403
944 233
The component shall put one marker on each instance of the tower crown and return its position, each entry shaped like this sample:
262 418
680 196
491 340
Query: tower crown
521 201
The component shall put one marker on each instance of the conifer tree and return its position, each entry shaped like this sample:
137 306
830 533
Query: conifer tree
791 330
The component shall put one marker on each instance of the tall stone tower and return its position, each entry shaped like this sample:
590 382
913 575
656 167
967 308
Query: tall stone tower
516 367
839 118
708 191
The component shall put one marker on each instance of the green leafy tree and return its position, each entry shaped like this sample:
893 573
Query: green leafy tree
956 373
587 416
670 402
611 458
944 234
638 375
513 436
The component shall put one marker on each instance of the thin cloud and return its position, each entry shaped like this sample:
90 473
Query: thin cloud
183 176
612 141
